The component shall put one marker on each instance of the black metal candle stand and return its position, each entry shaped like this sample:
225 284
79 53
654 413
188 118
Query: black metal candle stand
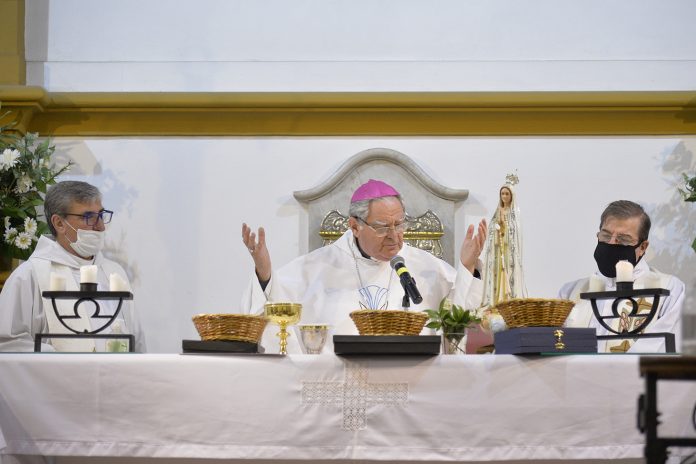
625 292
87 292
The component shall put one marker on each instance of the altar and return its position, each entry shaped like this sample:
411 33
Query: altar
133 407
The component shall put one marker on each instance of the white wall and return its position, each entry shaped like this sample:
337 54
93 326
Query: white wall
180 203
360 45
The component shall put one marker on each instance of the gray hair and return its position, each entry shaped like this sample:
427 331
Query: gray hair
62 195
361 209
625 209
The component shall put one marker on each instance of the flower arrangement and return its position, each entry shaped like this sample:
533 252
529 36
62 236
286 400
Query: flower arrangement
453 320
688 193
25 174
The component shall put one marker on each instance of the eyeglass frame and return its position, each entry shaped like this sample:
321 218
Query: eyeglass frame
90 214
385 229
618 241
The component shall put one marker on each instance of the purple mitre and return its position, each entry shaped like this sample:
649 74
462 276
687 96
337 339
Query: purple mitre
373 189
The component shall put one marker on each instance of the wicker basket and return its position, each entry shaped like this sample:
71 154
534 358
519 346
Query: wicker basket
238 327
534 312
383 322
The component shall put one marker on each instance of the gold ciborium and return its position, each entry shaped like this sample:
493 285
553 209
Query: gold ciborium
283 315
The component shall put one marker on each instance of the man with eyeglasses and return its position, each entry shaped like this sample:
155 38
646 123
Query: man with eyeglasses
354 272
623 235
77 221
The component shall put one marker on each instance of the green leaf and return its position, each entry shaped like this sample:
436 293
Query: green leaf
688 193
14 212
42 228
40 186
454 320
44 145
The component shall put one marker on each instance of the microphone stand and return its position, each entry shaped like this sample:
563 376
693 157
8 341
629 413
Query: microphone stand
406 302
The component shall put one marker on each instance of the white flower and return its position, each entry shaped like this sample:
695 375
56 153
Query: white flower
497 323
30 226
23 241
10 235
9 158
7 222
24 184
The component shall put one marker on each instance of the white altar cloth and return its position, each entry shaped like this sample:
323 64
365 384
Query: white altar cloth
444 408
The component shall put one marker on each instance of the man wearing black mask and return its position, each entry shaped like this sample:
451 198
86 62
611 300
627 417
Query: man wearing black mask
623 235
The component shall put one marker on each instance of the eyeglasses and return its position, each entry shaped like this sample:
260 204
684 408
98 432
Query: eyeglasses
621 239
92 218
382 231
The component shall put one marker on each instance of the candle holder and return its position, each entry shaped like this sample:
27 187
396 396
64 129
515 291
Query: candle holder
625 292
88 287
87 292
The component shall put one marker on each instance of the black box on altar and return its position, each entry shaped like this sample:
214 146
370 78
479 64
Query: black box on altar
219 346
428 345
535 340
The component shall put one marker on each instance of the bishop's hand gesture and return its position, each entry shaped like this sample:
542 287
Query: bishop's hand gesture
473 245
258 251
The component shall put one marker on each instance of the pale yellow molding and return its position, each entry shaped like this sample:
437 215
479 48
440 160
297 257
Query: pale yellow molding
19 104
380 114
12 60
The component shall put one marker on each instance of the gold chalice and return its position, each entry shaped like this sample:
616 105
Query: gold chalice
283 315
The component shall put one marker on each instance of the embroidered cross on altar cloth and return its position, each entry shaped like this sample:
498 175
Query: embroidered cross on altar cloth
354 394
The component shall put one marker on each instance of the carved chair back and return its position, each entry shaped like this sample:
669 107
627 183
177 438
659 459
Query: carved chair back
424 231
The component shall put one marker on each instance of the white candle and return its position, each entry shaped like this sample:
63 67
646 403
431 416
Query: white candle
88 274
596 284
57 283
624 271
117 283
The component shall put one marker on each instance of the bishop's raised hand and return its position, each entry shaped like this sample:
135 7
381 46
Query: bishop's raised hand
473 245
258 251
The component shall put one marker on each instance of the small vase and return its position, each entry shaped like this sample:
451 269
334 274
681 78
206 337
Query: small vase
454 343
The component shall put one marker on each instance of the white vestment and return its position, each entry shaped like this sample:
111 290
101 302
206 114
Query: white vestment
328 282
24 312
667 319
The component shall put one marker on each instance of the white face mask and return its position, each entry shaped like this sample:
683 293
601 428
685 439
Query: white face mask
88 243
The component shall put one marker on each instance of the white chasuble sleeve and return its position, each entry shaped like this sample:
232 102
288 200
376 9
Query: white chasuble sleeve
468 290
277 289
581 314
668 319
21 313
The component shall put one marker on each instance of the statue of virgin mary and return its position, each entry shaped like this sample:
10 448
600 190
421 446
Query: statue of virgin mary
503 277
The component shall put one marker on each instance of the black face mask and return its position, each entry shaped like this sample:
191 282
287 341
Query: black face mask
608 255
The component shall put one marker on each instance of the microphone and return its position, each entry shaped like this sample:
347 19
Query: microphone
409 284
